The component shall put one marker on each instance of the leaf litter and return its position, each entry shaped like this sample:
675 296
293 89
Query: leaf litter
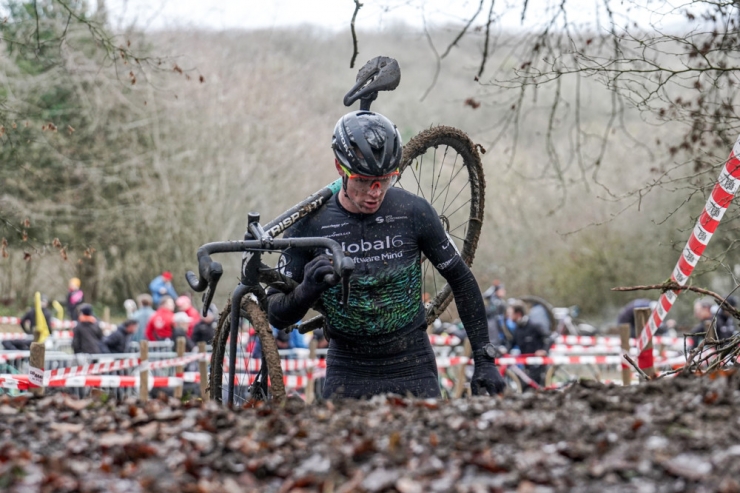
679 434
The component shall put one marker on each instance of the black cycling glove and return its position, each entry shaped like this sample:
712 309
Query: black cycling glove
309 291
285 310
486 378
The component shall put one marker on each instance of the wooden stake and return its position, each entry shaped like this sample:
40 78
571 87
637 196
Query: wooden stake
180 348
624 336
311 390
459 387
38 355
645 360
203 369
144 371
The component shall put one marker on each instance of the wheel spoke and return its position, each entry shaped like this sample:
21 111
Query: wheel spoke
453 174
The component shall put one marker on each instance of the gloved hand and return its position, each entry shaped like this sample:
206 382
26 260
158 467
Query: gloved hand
486 378
313 279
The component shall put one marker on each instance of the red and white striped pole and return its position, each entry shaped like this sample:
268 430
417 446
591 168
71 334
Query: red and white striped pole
722 194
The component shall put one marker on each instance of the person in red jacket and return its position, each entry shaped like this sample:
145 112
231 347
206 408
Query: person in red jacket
184 304
162 322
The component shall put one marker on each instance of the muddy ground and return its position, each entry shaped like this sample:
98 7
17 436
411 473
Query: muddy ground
669 435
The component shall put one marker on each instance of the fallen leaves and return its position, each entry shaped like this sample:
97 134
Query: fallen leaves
550 441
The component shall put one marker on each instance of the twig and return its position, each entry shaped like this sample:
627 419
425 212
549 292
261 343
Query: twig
436 55
355 51
640 373
38 42
674 286
692 355
488 34
464 30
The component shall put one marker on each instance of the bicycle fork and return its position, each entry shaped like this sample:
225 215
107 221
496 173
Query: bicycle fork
249 283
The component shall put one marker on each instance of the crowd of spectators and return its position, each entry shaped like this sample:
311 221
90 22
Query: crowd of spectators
155 316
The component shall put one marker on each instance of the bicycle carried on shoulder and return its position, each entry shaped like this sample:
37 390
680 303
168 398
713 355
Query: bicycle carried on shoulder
440 164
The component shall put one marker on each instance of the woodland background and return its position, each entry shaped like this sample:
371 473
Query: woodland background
121 153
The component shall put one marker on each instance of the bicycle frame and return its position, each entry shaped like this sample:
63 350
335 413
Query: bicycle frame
257 241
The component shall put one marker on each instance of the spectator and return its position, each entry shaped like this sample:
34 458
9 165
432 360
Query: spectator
206 328
28 325
726 326
130 307
162 286
142 316
627 313
294 340
118 341
184 304
75 297
703 313
87 336
182 322
530 339
321 341
161 323
495 298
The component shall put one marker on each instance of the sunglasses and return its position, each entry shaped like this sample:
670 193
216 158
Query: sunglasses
367 183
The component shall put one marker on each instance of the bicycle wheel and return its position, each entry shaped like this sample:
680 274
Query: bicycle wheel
543 311
513 383
443 166
246 365
560 375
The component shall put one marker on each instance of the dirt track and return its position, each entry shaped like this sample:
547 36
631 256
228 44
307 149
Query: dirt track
671 435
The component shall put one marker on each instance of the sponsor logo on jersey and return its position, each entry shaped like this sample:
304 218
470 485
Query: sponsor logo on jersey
367 246
338 225
389 219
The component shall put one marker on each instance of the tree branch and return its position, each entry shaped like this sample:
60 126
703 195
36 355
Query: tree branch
674 286
355 51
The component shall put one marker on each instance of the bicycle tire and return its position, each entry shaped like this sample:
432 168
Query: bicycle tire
559 375
536 300
513 383
250 310
437 192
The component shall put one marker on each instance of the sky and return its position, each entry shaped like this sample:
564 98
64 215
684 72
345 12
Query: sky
336 14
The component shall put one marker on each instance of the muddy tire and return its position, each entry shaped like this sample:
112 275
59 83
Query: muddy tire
443 166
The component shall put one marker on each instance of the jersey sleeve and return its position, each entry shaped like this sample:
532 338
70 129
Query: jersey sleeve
442 252
286 309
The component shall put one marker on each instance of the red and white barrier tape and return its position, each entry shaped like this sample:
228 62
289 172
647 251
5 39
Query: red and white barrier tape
14 355
12 336
722 194
613 341
559 360
91 369
182 360
440 340
55 324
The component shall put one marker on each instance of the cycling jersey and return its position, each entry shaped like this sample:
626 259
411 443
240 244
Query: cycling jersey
384 306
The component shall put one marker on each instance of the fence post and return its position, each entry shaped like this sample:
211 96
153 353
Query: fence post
37 364
624 336
310 390
144 370
645 359
180 348
203 369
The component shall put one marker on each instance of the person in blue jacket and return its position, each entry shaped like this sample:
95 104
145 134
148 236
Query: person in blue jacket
162 286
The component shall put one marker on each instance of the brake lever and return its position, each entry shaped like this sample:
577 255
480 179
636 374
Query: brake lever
215 276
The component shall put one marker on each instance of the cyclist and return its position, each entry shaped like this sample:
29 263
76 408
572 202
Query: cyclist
378 342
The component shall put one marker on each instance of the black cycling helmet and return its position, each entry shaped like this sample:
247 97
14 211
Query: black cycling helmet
374 136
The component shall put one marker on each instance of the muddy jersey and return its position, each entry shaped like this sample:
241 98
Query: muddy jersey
386 247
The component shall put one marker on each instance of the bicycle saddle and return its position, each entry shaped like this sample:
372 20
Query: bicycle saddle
382 73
